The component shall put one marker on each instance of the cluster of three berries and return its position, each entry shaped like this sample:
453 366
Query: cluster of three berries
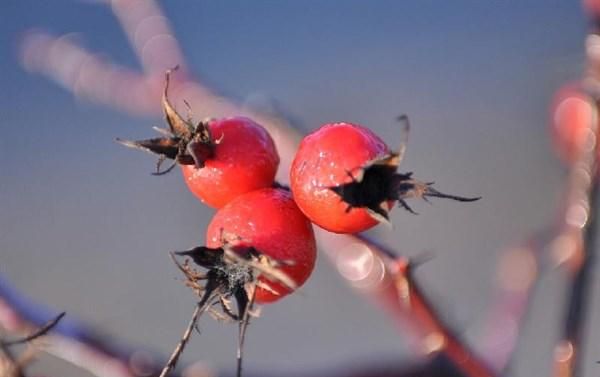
343 179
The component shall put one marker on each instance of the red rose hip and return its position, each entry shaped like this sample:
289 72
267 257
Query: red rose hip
268 221
245 159
326 158
344 178
220 158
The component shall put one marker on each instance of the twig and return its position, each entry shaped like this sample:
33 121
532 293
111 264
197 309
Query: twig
243 325
69 340
40 332
199 308
14 367
8 363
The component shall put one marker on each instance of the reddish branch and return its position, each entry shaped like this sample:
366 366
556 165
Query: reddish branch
381 276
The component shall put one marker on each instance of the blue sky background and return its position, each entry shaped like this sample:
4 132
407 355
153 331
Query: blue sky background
85 228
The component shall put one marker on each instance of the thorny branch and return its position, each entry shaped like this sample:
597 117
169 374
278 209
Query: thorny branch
391 283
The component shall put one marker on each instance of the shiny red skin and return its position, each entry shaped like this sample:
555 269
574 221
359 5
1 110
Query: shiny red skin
268 220
323 160
571 112
245 159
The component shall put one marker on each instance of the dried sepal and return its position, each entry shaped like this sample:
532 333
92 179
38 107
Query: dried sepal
233 267
167 147
378 183
203 256
184 142
179 127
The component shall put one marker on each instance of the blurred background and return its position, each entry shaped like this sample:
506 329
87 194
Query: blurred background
84 228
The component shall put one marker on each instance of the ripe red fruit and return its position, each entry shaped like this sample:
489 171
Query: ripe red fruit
572 111
245 159
220 158
344 178
323 160
269 221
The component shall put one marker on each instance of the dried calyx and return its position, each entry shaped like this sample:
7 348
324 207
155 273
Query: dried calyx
232 271
184 142
222 280
377 184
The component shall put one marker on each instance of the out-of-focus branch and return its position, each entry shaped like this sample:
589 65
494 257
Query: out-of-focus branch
150 35
90 77
381 276
577 249
69 340
77 344
517 278
570 242
580 224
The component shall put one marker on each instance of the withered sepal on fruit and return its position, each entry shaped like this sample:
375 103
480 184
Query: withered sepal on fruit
377 184
184 142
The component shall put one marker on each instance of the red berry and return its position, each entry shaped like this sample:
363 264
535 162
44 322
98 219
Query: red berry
344 178
572 111
269 221
323 160
220 158
245 159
